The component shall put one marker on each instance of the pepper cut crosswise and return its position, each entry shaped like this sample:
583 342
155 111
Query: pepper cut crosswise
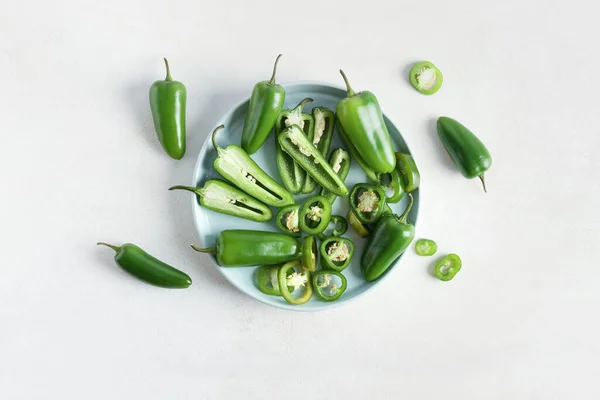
291 277
447 267
426 77
315 215
367 202
339 160
336 253
288 220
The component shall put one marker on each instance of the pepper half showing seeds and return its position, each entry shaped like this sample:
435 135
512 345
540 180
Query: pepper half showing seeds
287 220
426 77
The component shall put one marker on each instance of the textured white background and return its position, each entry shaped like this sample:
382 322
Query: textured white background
79 163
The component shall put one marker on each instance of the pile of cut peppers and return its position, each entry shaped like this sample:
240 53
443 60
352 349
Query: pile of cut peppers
309 254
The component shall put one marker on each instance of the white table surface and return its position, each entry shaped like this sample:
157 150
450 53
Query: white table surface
80 163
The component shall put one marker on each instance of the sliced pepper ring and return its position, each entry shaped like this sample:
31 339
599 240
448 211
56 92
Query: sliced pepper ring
295 280
315 215
426 77
288 220
340 227
391 182
447 267
368 202
336 253
425 247
357 225
267 280
322 280
405 163
310 253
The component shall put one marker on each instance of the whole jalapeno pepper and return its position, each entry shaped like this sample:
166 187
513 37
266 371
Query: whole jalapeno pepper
362 120
336 253
244 248
468 153
297 278
323 280
368 202
148 268
339 160
168 104
292 174
288 220
390 238
266 103
340 227
220 196
315 215
371 174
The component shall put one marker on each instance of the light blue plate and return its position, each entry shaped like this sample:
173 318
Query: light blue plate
209 223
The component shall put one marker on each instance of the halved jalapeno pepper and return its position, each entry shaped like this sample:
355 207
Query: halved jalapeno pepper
368 202
340 227
315 215
336 253
287 220
391 183
407 167
294 280
357 225
425 247
310 253
339 160
323 281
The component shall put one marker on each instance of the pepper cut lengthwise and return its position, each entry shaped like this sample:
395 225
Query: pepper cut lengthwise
339 160
320 135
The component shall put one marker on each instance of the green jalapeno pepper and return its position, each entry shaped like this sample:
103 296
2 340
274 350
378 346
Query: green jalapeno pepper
292 174
235 165
265 105
296 144
426 77
315 215
447 267
288 220
339 160
220 196
388 209
357 225
391 183
371 174
321 135
296 279
468 153
390 238
336 253
168 104
266 279
148 268
310 253
405 164
244 248
340 227
362 120
367 201
425 247
322 280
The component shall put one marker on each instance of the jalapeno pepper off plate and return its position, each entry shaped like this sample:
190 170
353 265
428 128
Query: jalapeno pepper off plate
296 279
425 247
235 165
321 135
323 281
315 215
367 202
288 220
220 196
371 174
336 253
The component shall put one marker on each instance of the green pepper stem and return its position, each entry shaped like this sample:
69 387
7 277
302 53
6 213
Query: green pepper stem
197 191
272 80
348 87
168 78
211 250
483 182
300 105
115 248
402 218
214 141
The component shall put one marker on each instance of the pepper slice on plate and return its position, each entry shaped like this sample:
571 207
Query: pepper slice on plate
241 248
357 225
296 144
425 247
367 202
321 135
292 275
266 278
391 183
292 174
339 160
315 215
220 196
235 165
426 77
309 253
340 227
265 105
447 267
287 220
336 253
405 164
323 282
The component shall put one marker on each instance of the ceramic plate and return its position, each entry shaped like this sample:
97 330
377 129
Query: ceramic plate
209 223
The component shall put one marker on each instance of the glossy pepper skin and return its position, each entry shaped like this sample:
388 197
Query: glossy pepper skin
142 265
244 248
390 238
468 153
266 103
371 174
168 104
362 121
